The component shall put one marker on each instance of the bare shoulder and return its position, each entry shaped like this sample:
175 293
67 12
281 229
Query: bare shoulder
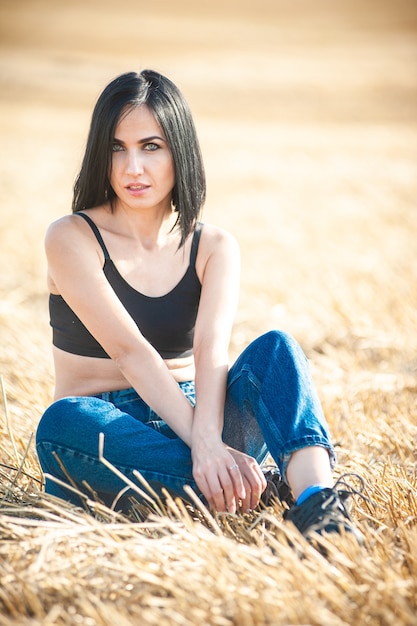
218 250
64 232
213 237
74 256
61 227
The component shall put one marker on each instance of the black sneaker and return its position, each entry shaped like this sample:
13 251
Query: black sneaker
276 488
325 512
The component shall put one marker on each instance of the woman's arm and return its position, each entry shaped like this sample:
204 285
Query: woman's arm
212 460
217 310
75 267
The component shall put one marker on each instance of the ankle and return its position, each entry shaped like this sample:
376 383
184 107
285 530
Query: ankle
309 466
309 491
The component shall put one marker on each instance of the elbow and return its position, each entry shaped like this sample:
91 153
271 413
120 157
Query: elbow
134 356
121 359
217 352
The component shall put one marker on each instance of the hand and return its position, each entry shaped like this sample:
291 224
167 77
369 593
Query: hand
228 479
252 477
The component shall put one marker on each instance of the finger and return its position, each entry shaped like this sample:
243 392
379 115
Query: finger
258 485
254 483
218 492
254 499
229 492
222 493
236 476
219 500
245 502
257 477
204 489
212 493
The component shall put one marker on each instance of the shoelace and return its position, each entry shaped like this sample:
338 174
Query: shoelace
349 489
283 492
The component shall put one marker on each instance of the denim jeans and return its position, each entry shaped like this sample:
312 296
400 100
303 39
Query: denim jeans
271 408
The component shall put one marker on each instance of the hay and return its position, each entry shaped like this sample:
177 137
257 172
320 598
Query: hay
62 565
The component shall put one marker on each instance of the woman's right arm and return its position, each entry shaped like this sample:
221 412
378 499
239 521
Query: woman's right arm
75 267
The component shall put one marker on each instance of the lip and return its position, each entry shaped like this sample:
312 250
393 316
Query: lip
136 188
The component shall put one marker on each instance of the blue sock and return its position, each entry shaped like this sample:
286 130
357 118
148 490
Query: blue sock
304 495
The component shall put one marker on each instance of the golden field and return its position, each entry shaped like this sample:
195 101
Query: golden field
306 113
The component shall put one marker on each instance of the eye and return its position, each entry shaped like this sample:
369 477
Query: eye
116 147
151 147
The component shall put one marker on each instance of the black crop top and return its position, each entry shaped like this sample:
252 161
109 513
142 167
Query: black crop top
167 321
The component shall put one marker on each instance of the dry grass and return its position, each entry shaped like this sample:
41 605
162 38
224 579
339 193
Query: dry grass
307 121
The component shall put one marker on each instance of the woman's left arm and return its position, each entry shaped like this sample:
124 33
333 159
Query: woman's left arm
218 266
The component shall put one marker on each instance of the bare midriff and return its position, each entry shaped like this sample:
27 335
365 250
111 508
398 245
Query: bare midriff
85 376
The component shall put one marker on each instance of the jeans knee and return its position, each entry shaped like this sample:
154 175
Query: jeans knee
277 346
278 340
49 417
278 336
56 419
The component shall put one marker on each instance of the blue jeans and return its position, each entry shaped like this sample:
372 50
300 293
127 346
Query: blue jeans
271 408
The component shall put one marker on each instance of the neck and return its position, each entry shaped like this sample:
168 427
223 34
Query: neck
148 228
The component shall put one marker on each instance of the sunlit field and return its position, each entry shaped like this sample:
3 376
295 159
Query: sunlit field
306 113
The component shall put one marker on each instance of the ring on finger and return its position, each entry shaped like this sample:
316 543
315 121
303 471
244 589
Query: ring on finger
234 466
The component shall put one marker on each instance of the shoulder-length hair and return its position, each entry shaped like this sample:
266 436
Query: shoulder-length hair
92 186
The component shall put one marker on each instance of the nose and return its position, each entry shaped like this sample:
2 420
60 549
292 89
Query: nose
134 163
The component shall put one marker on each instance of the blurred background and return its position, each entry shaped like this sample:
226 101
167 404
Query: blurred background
306 113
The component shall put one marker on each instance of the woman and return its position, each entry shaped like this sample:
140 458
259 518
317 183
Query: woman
142 303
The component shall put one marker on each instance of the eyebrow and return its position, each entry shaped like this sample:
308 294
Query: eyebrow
144 140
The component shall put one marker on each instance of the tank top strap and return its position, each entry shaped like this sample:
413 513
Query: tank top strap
195 243
96 232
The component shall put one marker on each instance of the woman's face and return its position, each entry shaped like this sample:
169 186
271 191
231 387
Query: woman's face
142 168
